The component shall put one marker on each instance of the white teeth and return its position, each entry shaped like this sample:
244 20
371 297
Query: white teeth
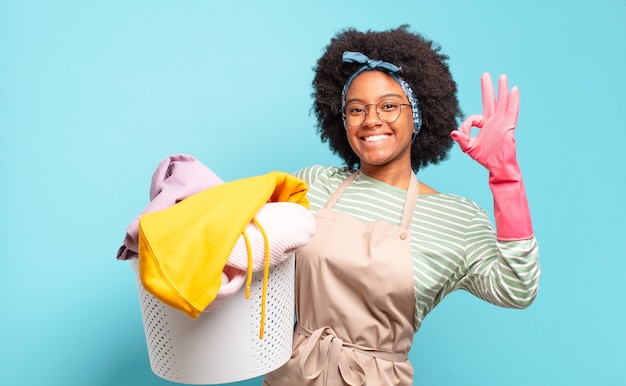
373 138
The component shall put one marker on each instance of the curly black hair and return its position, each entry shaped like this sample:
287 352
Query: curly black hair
424 68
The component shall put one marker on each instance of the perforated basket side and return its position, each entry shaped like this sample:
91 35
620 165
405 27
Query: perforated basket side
278 332
158 334
224 345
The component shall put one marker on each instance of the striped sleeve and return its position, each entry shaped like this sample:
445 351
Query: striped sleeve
503 273
454 247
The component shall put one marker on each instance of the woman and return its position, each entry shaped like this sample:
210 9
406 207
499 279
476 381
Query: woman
388 248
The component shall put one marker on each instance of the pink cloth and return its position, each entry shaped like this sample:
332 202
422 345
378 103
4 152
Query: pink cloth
288 226
175 178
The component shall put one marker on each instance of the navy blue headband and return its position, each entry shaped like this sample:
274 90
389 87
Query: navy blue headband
389 68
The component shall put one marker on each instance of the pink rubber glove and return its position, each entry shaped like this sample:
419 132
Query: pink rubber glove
494 148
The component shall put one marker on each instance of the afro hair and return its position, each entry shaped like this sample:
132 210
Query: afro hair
424 68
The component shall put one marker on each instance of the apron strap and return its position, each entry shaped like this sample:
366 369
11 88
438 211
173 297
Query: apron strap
409 202
339 191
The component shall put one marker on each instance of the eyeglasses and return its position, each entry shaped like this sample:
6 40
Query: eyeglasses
387 111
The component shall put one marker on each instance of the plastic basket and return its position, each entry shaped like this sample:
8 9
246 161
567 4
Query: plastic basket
222 346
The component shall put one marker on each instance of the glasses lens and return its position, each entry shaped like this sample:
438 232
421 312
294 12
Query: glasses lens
355 114
387 111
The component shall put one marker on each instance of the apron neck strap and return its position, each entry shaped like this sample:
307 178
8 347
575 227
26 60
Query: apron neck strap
339 191
409 203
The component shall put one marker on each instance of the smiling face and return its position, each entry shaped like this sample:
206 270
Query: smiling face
379 145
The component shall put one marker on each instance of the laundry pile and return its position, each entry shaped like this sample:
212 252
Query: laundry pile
200 239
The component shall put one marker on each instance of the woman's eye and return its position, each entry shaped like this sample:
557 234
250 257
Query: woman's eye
356 110
388 106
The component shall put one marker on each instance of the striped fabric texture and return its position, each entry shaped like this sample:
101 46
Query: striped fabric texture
453 243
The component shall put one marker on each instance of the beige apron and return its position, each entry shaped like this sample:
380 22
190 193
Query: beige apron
355 302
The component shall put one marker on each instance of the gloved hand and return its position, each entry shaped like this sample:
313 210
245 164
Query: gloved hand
494 148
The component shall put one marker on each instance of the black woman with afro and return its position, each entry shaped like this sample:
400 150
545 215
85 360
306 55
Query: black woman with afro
388 248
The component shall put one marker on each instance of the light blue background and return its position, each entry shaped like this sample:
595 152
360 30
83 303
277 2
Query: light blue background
93 94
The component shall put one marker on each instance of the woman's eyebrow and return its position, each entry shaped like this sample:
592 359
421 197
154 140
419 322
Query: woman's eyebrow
352 100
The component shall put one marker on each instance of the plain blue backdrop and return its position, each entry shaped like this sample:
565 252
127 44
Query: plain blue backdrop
93 94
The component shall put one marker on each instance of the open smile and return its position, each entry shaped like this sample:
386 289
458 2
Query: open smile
376 138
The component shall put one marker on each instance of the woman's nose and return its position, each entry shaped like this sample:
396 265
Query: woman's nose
371 116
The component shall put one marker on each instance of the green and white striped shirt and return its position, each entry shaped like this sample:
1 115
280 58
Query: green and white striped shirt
453 243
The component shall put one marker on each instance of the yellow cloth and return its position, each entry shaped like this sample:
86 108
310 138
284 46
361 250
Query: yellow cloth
183 249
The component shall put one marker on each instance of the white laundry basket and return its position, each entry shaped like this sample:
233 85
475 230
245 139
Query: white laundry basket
222 346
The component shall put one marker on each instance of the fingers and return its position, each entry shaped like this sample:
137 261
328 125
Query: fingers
461 139
503 96
471 121
489 98
512 109
507 103
463 136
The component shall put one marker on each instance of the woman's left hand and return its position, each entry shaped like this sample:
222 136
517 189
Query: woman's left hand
494 148
494 145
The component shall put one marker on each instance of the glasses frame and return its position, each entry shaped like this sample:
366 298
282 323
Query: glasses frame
367 110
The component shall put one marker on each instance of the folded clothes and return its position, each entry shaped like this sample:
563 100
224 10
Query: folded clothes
175 178
185 251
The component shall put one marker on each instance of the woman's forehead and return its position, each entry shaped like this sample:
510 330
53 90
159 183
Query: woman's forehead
374 84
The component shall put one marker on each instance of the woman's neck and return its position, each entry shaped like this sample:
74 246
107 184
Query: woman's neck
396 176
